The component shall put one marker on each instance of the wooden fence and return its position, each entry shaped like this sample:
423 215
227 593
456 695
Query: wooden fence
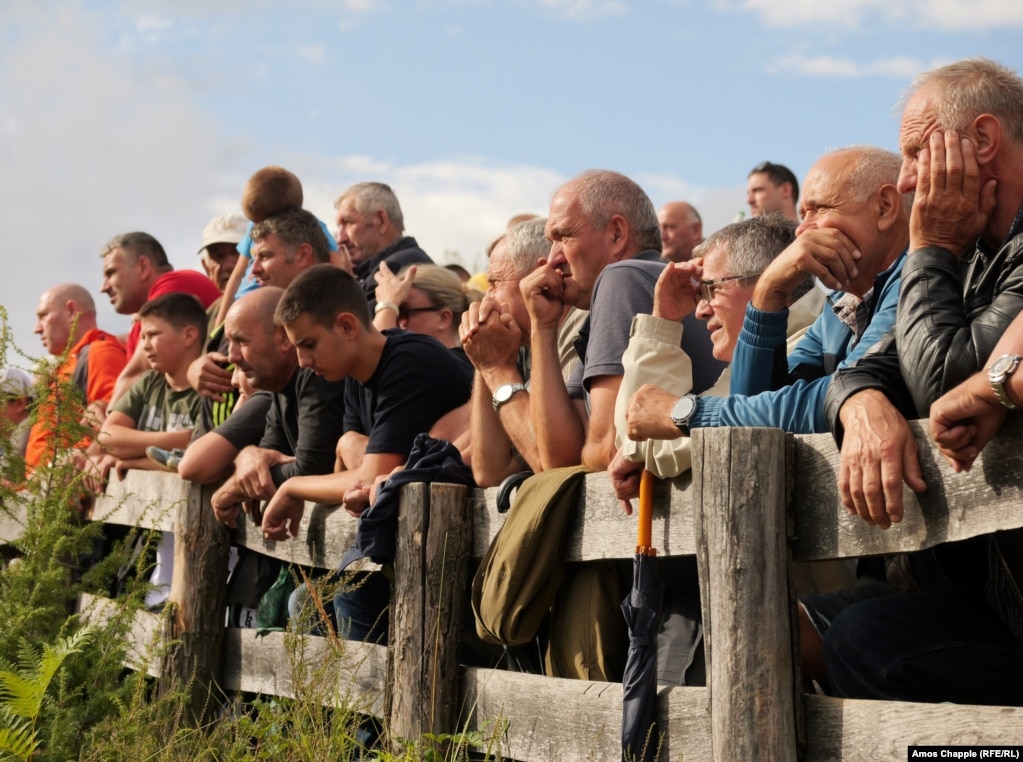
755 498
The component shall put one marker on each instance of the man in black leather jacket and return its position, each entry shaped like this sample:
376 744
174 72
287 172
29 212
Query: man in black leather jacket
962 144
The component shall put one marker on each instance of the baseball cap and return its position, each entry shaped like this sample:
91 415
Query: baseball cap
226 228
16 382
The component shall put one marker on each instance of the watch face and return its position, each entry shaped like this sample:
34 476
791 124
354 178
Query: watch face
1002 365
683 409
503 393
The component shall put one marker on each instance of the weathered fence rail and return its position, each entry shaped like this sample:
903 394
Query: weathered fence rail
755 498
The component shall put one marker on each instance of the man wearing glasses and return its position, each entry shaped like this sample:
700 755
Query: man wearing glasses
772 188
853 237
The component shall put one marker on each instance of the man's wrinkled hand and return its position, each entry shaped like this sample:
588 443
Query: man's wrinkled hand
625 476
648 415
282 516
879 451
678 291
542 290
827 253
495 342
252 471
207 376
965 419
950 208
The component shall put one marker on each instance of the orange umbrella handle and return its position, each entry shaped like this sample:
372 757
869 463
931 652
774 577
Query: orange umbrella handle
646 512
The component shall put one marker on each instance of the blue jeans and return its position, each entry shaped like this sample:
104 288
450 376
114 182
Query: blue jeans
930 646
361 607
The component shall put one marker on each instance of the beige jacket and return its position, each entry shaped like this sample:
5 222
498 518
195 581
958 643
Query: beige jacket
655 357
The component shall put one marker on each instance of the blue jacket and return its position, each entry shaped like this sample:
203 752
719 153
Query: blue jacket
828 345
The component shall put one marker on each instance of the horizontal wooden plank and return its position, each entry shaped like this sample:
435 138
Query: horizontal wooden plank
143 498
326 532
955 506
575 719
862 731
142 639
334 670
601 529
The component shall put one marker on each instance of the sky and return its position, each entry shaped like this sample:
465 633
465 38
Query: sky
151 114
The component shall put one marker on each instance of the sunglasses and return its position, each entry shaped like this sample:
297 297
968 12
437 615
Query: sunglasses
404 313
708 288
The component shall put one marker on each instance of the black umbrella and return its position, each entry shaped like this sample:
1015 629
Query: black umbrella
642 609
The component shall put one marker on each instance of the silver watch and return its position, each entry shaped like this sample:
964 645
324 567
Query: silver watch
999 373
683 411
504 393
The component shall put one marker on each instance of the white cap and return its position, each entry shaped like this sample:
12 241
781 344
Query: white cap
227 228
16 382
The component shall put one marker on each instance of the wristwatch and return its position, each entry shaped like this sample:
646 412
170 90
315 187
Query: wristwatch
385 305
683 411
504 393
999 373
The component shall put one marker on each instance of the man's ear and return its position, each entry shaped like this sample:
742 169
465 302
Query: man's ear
281 339
347 324
304 253
145 267
381 219
619 231
888 207
988 133
191 334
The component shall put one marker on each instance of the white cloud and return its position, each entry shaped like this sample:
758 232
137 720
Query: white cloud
314 54
581 10
897 67
949 15
93 148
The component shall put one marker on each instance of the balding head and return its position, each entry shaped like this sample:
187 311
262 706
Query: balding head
65 314
257 347
681 230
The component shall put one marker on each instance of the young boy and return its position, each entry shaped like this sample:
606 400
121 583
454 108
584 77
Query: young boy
398 384
159 409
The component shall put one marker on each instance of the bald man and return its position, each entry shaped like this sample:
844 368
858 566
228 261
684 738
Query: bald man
681 231
295 434
91 359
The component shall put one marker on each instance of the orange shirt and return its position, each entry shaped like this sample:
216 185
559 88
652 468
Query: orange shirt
104 358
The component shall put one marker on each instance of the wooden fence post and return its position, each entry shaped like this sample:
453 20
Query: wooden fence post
739 511
198 597
430 568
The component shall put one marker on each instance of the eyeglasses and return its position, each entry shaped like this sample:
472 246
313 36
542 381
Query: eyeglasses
708 288
405 312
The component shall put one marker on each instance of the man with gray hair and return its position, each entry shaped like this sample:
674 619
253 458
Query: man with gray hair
681 230
605 257
371 228
726 268
495 335
959 638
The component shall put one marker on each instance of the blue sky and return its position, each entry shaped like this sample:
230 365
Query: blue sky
117 116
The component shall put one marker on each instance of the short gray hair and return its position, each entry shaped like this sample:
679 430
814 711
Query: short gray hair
137 245
972 87
751 245
527 244
371 197
603 194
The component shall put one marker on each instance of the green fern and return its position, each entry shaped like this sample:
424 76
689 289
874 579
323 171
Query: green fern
23 691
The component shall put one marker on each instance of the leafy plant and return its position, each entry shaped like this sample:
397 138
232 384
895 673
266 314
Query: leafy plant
23 690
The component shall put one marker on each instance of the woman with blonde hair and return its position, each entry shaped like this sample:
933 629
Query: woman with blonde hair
426 299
